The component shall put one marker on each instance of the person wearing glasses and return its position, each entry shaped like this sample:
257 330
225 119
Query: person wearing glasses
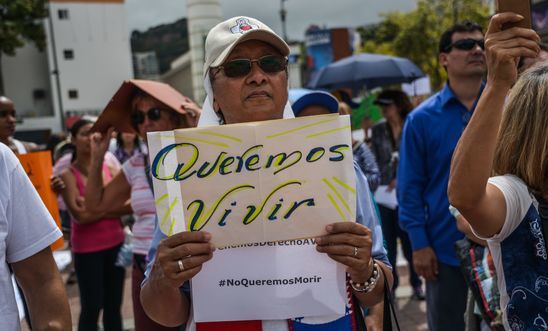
139 106
7 128
246 79
429 137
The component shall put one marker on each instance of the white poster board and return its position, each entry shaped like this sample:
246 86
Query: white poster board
273 281
252 183
255 182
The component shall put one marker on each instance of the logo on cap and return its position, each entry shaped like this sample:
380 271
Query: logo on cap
243 25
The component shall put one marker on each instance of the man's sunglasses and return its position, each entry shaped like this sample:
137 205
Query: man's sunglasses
138 117
6 113
466 44
270 64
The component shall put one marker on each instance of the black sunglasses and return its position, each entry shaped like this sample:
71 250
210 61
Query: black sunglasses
138 117
270 64
466 44
6 113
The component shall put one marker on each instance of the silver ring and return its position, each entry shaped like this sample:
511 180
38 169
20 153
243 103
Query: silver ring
181 266
355 251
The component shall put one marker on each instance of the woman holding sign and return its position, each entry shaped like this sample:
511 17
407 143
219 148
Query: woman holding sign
246 80
139 106
507 137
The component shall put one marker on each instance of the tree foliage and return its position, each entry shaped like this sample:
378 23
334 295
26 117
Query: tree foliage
415 35
21 22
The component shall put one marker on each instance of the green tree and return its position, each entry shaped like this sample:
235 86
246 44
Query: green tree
21 22
415 35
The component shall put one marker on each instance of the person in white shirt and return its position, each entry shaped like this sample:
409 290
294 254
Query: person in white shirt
26 232
507 138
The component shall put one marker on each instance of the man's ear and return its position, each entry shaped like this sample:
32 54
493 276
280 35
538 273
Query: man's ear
442 59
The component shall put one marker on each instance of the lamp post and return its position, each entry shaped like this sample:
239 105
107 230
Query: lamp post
283 13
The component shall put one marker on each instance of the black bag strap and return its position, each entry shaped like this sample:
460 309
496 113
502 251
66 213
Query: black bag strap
389 311
147 172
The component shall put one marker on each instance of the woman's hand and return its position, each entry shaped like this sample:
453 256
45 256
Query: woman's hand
181 256
349 243
99 143
505 47
193 112
57 184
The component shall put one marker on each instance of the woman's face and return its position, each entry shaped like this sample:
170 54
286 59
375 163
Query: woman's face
390 112
128 137
81 140
257 96
154 116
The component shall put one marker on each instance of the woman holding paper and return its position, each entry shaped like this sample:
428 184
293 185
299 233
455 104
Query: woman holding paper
385 143
246 80
499 173
139 106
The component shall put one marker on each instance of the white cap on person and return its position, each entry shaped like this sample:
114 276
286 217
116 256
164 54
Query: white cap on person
223 37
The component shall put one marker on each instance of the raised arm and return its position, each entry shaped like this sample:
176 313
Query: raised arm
44 291
100 197
75 202
482 204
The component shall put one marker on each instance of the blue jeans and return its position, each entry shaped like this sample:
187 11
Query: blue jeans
446 299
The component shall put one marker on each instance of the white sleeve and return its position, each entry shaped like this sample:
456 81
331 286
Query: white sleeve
30 225
518 201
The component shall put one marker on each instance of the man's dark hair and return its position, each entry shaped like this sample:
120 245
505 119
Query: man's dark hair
447 36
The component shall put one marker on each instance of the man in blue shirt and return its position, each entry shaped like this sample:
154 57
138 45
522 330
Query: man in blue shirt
430 135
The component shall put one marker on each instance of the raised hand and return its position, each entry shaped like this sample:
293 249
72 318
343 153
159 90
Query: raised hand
193 112
504 48
99 143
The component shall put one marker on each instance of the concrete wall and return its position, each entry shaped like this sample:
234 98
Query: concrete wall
25 77
97 35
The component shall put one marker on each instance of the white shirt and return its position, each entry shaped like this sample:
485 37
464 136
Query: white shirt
520 258
26 228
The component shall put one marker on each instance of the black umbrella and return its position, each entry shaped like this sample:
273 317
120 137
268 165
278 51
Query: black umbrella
369 70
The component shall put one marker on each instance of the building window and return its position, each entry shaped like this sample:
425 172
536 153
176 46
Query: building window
39 94
73 94
63 14
68 54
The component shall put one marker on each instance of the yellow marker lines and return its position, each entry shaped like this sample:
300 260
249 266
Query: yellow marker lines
328 131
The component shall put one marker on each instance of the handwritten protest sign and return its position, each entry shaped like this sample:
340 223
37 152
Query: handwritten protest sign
38 167
255 182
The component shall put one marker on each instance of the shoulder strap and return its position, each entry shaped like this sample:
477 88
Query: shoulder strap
79 181
21 149
147 172
389 311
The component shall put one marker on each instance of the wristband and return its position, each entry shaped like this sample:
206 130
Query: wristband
370 284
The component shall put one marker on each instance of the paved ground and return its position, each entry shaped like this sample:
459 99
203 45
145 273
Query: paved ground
411 313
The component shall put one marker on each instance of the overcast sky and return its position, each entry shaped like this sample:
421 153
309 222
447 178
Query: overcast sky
142 14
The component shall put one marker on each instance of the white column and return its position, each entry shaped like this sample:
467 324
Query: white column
202 16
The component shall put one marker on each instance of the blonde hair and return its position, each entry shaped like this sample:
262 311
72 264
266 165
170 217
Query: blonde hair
522 144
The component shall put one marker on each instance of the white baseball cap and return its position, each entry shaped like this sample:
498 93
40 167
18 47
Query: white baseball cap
223 37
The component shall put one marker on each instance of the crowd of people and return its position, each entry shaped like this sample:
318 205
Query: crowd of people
468 163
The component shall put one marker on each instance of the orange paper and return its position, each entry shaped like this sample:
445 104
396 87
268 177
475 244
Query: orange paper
39 169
